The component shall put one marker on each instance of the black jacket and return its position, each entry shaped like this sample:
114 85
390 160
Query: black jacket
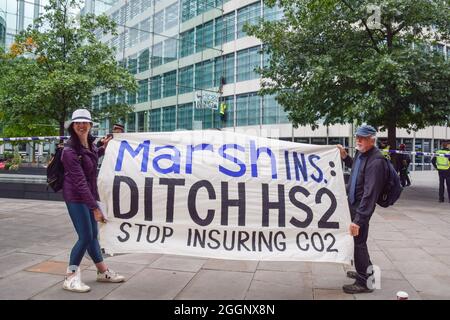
369 183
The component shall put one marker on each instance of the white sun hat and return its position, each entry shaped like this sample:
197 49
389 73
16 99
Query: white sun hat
80 115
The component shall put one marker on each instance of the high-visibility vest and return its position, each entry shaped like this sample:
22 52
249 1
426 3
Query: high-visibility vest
443 163
385 153
223 108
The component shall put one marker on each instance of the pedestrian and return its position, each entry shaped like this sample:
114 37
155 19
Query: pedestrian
441 163
366 183
403 166
79 158
117 128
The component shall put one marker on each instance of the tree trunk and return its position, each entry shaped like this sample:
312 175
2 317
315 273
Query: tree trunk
33 157
392 142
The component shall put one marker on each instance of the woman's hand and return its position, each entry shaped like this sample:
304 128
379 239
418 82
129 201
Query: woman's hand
98 215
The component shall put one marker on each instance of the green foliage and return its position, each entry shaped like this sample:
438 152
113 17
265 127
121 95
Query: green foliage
331 62
52 71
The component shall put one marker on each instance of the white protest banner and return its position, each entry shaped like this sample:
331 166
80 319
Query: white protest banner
224 195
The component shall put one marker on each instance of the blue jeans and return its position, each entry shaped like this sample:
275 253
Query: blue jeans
87 230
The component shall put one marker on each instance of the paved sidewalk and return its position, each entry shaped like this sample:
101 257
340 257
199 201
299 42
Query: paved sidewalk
410 242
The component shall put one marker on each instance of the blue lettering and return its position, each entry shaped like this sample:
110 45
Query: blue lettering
175 158
124 145
226 171
300 167
311 159
254 156
190 151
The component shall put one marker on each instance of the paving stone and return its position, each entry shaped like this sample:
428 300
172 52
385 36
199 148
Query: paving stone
328 294
430 286
213 284
152 284
388 291
15 262
138 258
407 254
231 265
262 290
293 266
180 263
52 267
43 249
121 267
433 266
24 285
388 235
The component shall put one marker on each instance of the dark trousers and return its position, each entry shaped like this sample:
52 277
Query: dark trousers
87 230
444 177
361 254
404 178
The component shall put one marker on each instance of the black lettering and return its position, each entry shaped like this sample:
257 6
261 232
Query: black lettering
309 213
140 231
122 228
148 197
134 197
171 183
280 245
299 241
191 202
226 203
313 242
333 240
323 222
217 246
167 232
243 237
267 205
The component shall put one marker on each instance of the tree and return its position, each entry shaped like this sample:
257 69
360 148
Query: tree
372 61
55 66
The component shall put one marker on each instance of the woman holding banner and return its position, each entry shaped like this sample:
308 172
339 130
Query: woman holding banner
79 158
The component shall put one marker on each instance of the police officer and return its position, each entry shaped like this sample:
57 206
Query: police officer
442 164
365 185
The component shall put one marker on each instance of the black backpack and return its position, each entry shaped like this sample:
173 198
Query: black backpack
392 187
55 171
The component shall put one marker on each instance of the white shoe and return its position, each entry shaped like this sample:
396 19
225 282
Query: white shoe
73 283
109 276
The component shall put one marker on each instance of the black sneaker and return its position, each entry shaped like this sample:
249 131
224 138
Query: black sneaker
352 274
356 288
441 200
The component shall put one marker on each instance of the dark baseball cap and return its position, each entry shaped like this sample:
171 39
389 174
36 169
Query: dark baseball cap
365 131
119 126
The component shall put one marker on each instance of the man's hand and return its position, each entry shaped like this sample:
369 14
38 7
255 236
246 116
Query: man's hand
354 229
107 139
342 151
98 215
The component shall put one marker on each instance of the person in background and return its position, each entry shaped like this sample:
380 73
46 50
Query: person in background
79 158
442 164
404 160
117 128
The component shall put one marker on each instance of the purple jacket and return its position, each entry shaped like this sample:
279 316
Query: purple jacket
80 177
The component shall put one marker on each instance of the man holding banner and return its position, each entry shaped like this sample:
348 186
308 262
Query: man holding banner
364 187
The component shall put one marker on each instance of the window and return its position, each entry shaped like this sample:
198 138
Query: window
155 120
143 91
145 28
188 9
247 109
171 16
131 97
159 22
204 116
132 64
204 36
170 80
224 67
121 97
168 118
187 43
144 60
95 102
155 92
170 50
272 14
111 98
184 116
103 100
131 122
157 55
204 75
224 31
186 80
133 36
319 141
249 14
228 120
247 61
141 121
272 112
134 8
